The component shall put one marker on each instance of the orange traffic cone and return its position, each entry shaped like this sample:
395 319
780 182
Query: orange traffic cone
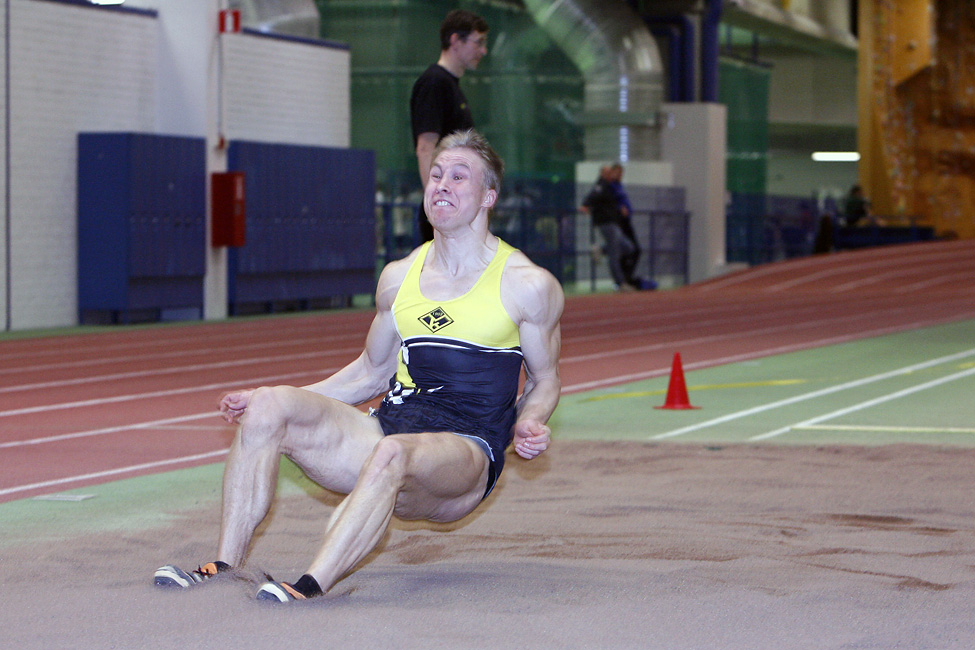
677 390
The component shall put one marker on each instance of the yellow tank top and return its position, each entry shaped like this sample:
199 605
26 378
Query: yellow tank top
462 353
459 362
477 317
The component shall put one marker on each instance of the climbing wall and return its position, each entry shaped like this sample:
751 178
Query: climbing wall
917 113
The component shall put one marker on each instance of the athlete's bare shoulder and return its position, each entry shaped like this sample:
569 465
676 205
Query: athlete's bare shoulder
391 279
529 292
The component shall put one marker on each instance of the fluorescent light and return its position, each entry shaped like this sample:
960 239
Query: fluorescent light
836 156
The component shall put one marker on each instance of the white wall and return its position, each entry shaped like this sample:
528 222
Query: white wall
273 90
72 69
289 91
75 68
186 55
4 231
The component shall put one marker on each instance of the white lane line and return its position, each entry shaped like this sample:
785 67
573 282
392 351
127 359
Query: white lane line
824 324
184 427
135 344
259 381
747 356
222 452
865 405
100 432
211 455
875 267
215 454
142 356
574 388
953 280
814 394
171 370
567 389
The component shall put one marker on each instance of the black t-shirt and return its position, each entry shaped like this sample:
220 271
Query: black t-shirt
437 104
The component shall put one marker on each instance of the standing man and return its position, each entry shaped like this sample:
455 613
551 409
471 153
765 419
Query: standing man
630 260
604 206
437 104
455 322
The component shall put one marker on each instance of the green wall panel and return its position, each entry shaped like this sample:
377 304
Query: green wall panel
524 95
744 89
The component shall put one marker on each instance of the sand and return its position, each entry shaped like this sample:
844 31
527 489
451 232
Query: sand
594 545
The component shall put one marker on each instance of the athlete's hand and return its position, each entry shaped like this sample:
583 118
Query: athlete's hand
233 405
531 438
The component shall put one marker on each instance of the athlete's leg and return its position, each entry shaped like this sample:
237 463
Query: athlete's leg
616 247
329 440
632 257
435 476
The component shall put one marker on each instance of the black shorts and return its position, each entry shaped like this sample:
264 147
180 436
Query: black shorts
394 420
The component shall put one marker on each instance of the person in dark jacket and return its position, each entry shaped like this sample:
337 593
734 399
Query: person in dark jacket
604 205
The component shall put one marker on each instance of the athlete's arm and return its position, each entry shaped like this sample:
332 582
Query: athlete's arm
534 297
367 376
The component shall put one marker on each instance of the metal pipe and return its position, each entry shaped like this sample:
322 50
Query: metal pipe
679 30
709 51
621 67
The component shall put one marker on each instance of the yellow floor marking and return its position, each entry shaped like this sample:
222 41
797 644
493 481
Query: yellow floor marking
746 384
882 429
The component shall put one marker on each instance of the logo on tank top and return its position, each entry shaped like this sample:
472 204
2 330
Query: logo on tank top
436 320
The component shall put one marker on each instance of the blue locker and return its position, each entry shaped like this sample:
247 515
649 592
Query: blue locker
141 223
310 221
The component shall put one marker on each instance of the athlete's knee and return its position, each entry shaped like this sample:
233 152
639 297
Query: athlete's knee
388 461
266 416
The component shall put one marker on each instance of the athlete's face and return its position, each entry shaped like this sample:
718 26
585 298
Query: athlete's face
455 191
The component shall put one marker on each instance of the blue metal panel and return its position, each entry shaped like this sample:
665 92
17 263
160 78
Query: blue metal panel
141 221
310 221
104 206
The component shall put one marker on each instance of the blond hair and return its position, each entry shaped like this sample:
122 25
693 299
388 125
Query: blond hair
471 139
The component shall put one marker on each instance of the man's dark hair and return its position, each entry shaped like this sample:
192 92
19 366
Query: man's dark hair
462 23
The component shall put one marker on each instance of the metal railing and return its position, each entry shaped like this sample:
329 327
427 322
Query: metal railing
560 240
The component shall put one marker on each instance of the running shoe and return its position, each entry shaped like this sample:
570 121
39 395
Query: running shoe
279 592
173 576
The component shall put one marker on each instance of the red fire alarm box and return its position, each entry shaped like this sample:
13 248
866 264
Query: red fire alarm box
229 21
227 207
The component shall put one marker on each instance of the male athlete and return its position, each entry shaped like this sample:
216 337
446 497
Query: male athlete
455 322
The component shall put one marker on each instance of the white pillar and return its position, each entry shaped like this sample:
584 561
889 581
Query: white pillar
188 104
695 142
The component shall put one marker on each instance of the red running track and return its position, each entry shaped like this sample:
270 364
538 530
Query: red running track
89 408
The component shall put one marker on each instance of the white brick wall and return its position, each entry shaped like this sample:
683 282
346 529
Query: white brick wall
75 68
283 90
3 178
72 69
